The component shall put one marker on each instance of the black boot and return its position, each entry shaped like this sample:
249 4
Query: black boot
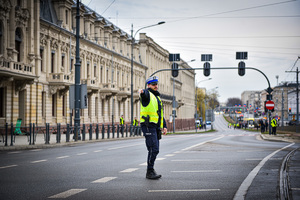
151 174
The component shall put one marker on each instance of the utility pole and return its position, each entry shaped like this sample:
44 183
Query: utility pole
77 76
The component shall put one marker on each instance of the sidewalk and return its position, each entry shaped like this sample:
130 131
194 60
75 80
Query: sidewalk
292 138
22 141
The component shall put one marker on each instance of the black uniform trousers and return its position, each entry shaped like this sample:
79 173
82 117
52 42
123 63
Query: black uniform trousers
152 144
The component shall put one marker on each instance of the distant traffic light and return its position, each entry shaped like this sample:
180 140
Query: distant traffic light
242 68
290 110
206 70
174 69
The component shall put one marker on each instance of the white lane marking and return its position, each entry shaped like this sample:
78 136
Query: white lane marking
36 150
8 166
192 160
14 152
104 180
240 194
124 146
191 190
143 164
170 155
80 154
253 159
61 157
177 152
188 148
67 194
38 161
198 171
160 158
129 170
97 151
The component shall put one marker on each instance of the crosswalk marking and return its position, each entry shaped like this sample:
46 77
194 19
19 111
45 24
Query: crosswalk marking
129 170
97 151
104 180
191 160
67 194
160 158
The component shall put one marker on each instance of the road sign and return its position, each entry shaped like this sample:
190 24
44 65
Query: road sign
270 105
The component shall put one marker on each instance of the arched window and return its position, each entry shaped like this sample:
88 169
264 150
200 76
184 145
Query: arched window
18 41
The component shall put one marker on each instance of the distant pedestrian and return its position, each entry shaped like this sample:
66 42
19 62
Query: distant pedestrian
274 125
122 124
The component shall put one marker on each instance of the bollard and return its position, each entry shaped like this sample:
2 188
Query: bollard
47 134
130 130
103 130
118 130
83 132
6 133
76 132
91 132
68 133
140 131
97 131
126 130
30 127
113 131
108 131
33 132
12 134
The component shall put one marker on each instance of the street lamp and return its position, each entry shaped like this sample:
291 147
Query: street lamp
132 45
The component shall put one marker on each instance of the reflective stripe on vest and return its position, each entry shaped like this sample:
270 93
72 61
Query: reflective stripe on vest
151 110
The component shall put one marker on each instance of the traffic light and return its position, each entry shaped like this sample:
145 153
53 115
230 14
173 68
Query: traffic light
290 110
174 69
206 70
242 68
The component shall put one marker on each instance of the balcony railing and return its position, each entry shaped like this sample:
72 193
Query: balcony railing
16 67
60 78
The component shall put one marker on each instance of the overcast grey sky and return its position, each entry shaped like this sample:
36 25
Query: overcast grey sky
269 30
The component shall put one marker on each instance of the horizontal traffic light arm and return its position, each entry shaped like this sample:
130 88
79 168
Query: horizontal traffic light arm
269 90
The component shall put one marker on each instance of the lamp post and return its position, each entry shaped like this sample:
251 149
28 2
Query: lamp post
132 45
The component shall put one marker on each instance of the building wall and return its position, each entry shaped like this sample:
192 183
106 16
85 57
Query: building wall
36 86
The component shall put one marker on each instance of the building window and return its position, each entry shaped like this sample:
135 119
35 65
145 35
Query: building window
101 71
42 57
64 105
18 41
67 13
95 71
88 70
53 105
71 65
43 104
52 61
63 61
19 3
2 102
96 106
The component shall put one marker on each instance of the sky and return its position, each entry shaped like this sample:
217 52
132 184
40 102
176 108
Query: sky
269 30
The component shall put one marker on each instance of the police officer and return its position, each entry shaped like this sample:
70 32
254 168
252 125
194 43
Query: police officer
122 124
274 125
152 121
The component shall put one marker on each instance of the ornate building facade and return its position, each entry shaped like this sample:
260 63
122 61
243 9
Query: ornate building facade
37 66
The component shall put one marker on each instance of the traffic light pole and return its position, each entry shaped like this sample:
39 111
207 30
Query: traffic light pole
269 89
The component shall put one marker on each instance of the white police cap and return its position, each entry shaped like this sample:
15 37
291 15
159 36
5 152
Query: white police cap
153 79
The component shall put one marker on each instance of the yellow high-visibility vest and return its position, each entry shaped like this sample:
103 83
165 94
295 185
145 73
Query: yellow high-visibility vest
273 123
151 110
121 121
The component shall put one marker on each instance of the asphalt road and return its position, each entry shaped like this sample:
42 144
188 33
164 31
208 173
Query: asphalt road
227 164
